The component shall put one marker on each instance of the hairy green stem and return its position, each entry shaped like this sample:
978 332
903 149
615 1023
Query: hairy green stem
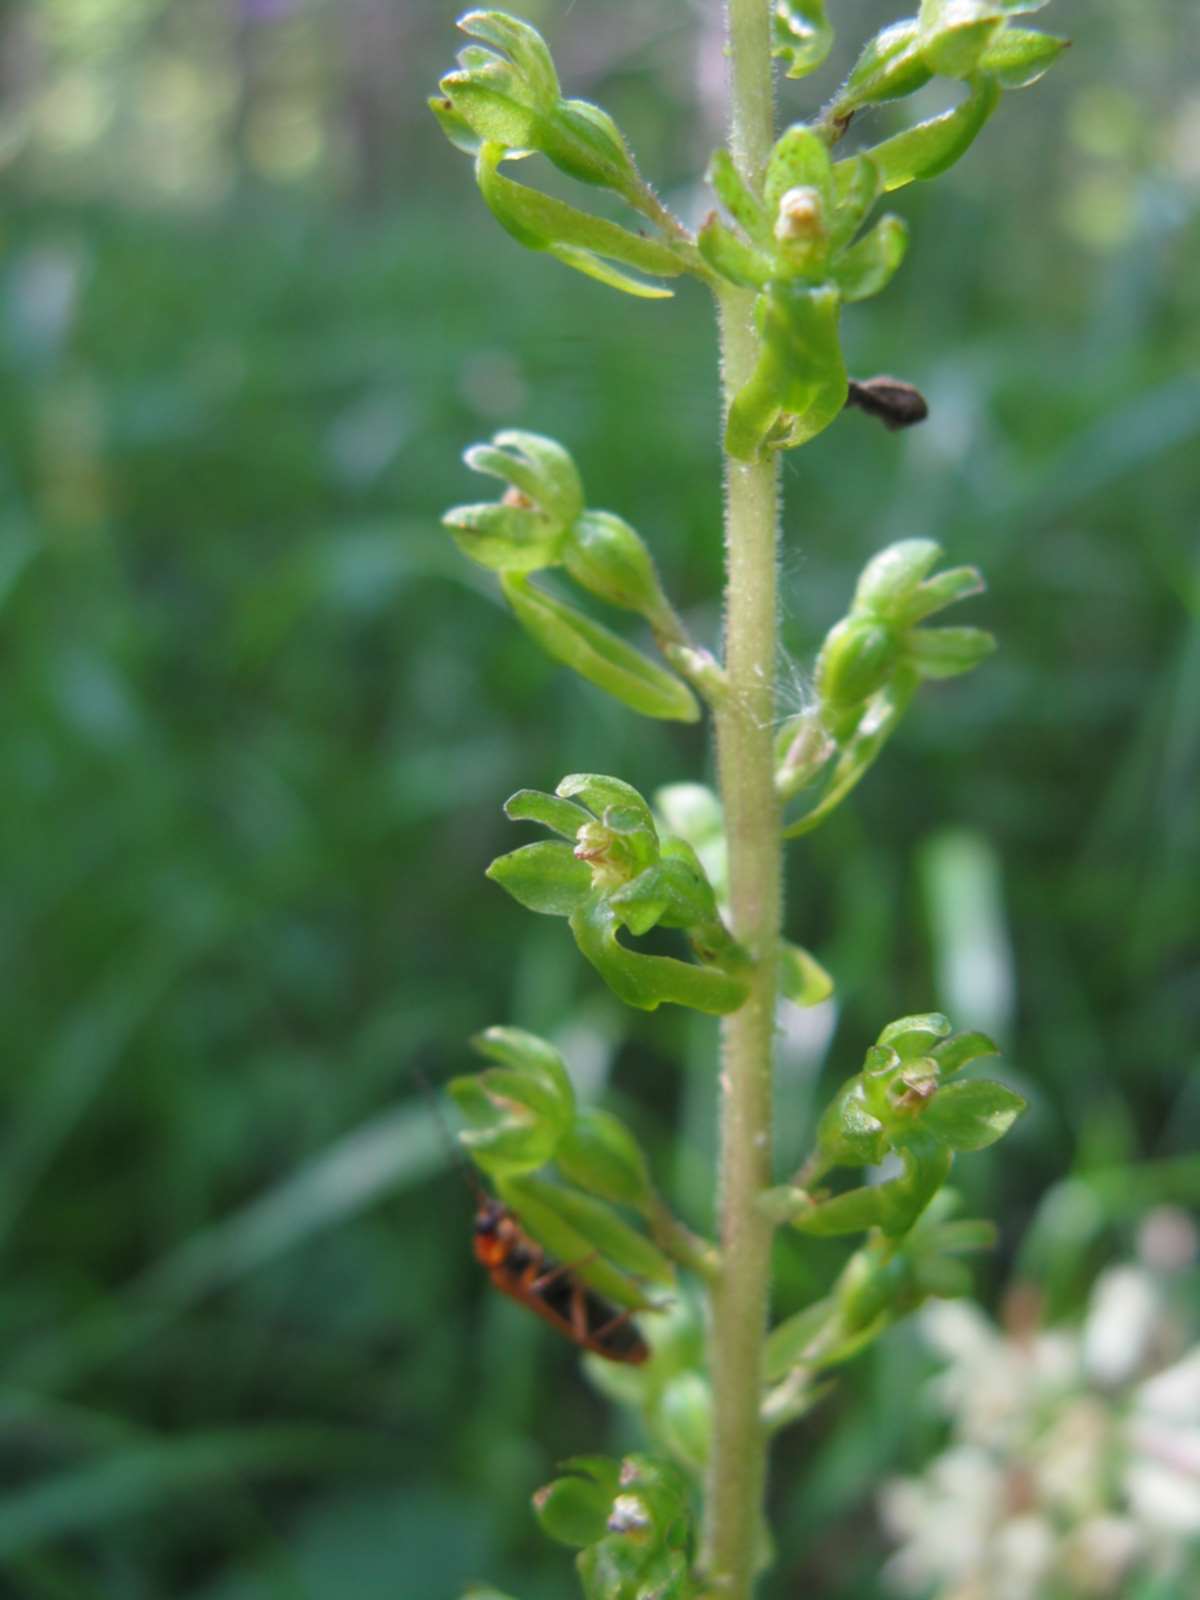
737 1471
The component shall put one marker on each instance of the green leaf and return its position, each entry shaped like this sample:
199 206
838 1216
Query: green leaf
648 981
598 1153
733 258
800 34
802 978
598 655
953 34
799 385
505 538
889 67
929 148
573 1511
869 266
606 557
955 1053
543 877
742 204
856 187
575 1227
531 805
971 1116
539 467
947 652
798 160
1018 57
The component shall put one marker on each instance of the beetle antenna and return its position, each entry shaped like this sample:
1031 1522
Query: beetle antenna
454 1145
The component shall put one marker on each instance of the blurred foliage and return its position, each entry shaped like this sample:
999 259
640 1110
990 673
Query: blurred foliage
260 717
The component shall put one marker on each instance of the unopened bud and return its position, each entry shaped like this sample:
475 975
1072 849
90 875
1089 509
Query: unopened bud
801 216
604 555
857 659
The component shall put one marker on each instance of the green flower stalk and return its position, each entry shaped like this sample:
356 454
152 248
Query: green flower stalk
793 239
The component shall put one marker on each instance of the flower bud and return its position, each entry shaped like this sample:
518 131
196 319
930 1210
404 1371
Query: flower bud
800 219
685 1419
953 34
890 577
856 660
598 1153
605 556
889 67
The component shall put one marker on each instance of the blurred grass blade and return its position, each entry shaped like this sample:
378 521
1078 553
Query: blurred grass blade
152 1477
973 957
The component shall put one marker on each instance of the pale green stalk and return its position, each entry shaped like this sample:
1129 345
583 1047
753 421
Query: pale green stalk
737 1473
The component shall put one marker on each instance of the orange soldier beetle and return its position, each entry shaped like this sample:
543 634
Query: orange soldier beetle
552 1290
520 1268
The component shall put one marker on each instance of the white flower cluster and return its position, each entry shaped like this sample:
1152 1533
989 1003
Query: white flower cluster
1074 1460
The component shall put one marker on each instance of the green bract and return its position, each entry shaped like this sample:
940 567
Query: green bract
869 667
618 873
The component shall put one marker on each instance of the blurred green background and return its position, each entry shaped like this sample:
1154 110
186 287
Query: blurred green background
259 717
